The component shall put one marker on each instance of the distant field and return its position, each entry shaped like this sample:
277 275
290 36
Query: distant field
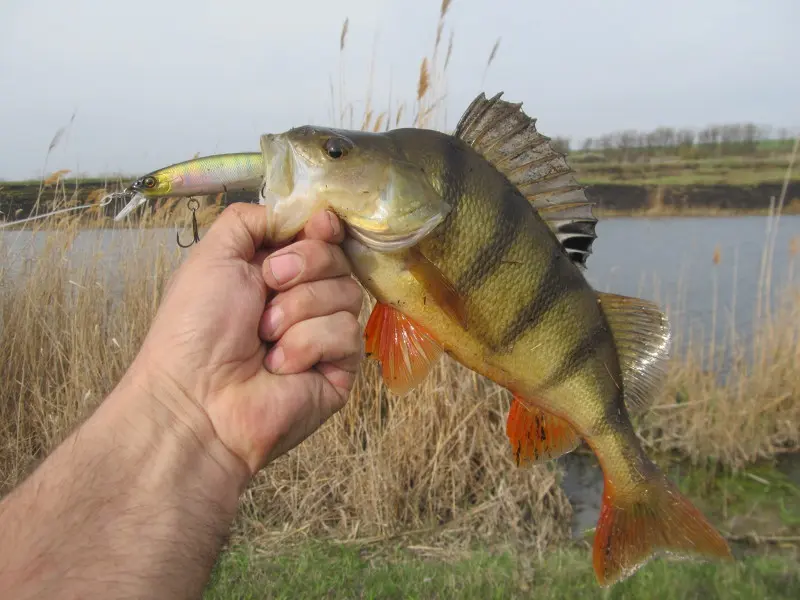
668 186
591 168
738 171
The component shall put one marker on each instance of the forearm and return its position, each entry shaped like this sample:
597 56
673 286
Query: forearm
135 503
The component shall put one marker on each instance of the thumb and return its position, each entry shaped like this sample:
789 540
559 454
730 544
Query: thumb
239 232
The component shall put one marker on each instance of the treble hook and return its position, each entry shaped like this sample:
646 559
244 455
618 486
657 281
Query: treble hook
193 205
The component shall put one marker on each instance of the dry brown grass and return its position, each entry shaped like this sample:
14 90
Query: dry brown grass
437 458
751 412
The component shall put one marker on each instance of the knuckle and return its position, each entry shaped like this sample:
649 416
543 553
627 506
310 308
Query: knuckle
310 297
353 294
336 259
297 345
318 255
350 327
233 213
333 258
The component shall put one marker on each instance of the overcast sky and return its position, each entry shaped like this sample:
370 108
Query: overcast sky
155 81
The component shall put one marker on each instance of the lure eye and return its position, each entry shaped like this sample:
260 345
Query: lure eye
149 182
336 148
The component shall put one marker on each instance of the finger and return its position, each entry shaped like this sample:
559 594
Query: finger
324 226
342 379
307 301
335 338
237 233
260 256
306 260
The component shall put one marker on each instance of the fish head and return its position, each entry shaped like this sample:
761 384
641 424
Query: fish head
385 201
156 184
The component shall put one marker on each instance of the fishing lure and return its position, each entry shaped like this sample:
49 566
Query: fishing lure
193 205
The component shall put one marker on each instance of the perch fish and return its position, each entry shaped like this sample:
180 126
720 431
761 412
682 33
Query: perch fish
474 244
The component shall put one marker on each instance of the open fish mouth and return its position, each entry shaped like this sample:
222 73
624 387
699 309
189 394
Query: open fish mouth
286 191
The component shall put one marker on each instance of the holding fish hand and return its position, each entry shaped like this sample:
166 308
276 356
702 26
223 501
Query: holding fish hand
255 348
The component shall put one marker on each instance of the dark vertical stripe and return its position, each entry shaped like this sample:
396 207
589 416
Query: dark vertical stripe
454 172
489 258
554 284
577 358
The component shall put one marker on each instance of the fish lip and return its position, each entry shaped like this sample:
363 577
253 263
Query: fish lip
274 190
396 242
136 200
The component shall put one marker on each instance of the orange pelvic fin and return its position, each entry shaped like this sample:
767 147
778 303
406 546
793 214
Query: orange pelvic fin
652 518
536 435
441 289
405 350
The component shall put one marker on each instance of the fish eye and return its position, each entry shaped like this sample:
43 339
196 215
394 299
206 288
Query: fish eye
149 182
336 147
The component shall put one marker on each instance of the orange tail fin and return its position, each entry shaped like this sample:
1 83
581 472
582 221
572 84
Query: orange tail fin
652 518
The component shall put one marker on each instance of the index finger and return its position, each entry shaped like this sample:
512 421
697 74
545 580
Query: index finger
324 226
239 232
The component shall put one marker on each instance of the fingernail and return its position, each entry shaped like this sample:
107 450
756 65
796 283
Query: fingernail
272 320
285 267
275 359
334 223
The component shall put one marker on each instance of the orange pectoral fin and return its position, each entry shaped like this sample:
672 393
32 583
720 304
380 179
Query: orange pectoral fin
442 291
405 350
536 435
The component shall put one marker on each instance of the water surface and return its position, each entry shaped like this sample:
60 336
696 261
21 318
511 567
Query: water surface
668 260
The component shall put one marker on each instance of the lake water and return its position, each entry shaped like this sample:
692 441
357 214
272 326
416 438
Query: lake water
671 261
666 260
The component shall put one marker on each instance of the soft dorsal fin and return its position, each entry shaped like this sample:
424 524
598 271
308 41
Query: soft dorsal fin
505 136
642 336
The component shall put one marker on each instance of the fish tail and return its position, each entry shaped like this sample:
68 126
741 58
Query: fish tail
650 517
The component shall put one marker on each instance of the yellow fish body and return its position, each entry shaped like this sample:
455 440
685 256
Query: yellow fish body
473 244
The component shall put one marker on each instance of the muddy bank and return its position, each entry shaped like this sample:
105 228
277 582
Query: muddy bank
695 198
18 199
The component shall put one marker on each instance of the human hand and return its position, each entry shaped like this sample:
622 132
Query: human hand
207 346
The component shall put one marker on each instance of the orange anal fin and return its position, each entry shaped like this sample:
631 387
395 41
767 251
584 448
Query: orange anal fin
652 518
537 436
441 290
405 350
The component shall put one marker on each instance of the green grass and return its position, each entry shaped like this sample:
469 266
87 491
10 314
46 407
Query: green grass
759 500
320 570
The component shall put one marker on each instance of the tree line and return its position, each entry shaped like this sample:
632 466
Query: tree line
736 139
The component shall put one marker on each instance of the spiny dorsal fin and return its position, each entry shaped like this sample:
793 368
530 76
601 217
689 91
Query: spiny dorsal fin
642 335
505 136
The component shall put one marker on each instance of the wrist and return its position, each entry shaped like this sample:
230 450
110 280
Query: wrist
169 417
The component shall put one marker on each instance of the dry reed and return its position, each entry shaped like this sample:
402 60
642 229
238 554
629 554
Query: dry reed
385 465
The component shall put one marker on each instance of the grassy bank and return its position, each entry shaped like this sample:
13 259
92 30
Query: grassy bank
733 171
315 570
